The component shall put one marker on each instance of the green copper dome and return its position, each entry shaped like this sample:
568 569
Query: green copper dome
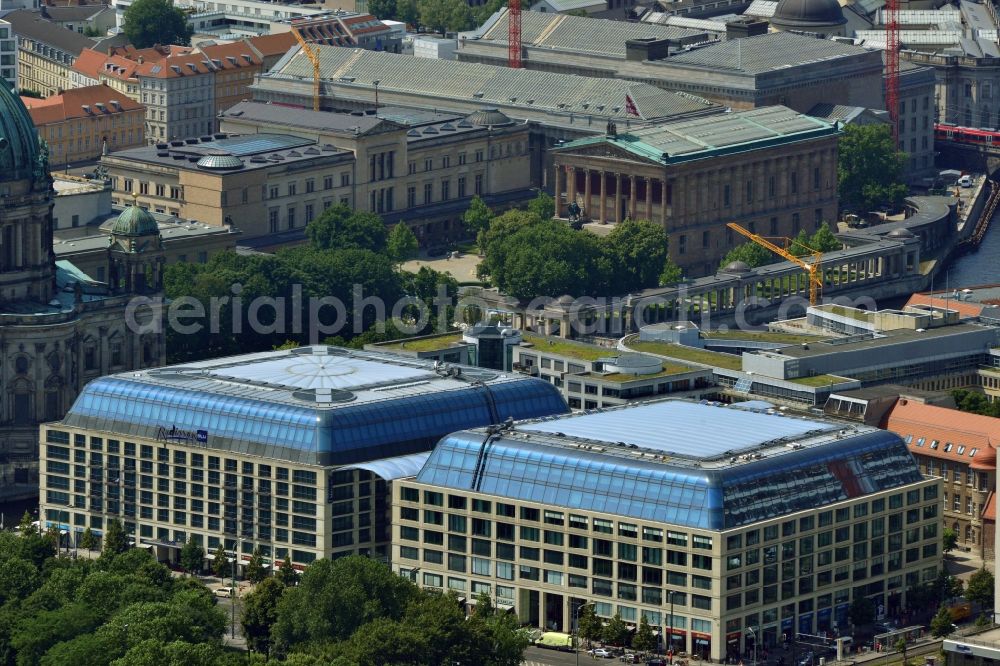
134 221
18 137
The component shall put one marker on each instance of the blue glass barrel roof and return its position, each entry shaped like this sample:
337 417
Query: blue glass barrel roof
320 405
668 462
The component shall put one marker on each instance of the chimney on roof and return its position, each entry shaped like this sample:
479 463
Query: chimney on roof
746 27
141 60
649 48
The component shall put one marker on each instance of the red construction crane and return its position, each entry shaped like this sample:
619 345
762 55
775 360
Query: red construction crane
892 65
514 34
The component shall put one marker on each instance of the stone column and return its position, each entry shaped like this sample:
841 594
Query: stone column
570 185
664 186
649 199
604 197
631 197
557 189
586 193
618 198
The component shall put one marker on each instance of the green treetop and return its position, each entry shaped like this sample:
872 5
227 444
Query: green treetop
152 22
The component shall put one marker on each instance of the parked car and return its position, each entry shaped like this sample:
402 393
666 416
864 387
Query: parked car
225 592
965 181
806 659
600 653
656 662
627 658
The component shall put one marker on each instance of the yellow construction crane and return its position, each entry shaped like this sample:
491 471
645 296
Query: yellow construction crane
813 268
313 54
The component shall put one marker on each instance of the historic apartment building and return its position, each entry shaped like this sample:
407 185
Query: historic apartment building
302 469
183 88
81 123
772 169
726 521
8 54
46 51
958 448
282 167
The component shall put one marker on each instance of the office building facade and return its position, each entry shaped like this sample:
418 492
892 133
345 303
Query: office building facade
725 528
291 452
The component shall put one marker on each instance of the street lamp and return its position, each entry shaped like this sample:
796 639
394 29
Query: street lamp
375 83
754 634
670 635
576 628
236 553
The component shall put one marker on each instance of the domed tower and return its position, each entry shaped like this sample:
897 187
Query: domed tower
824 17
135 253
27 261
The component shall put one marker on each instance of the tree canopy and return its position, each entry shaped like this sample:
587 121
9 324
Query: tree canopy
263 302
152 22
941 623
869 168
192 555
342 228
974 402
526 256
980 588
96 612
402 244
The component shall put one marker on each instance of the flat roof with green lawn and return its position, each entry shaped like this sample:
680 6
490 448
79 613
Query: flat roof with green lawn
683 353
853 313
667 369
819 380
561 347
761 336
423 344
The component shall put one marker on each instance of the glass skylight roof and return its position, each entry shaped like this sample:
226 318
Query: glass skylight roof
322 372
686 429
252 144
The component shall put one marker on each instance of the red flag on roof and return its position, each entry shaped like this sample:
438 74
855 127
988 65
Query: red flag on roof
630 106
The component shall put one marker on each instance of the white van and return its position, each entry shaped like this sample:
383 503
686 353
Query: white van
965 181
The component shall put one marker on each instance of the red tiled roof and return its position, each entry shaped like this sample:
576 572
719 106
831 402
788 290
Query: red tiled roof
273 45
70 103
940 432
232 56
990 509
964 308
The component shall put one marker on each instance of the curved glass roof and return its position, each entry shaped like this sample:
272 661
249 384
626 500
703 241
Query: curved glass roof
397 417
558 469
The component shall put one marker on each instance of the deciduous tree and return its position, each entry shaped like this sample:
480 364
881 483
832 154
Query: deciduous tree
260 612
402 244
941 622
589 625
255 567
220 562
115 539
980 588
644 640
615 632
192 556
152 22
869 168
87 540
287 573
751 254
341 227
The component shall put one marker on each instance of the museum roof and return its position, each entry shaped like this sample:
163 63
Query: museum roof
886 339
765 53
253 151
87 102
562 32
486 85
714 467
712 136
317 405
950 434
